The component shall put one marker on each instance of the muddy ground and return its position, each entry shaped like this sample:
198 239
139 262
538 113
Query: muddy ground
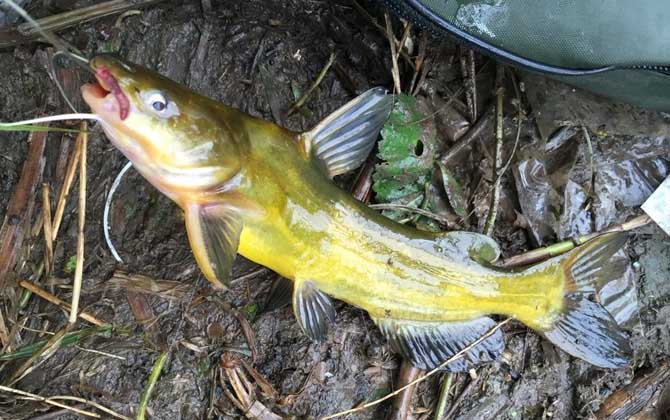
252 55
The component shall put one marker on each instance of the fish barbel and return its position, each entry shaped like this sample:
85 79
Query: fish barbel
247 185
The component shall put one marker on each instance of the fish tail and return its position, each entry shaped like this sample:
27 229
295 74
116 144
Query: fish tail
584 328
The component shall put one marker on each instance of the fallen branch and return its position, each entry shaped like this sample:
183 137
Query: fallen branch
20 206
559 248
468 138
403 401
497 165
58 302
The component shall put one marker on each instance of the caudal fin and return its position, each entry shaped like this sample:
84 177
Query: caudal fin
585 328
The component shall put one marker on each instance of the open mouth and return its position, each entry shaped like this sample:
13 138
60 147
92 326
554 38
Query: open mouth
108 85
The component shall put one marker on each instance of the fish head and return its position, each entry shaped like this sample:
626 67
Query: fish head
174 137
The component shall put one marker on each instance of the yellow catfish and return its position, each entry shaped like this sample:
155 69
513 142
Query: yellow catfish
247 185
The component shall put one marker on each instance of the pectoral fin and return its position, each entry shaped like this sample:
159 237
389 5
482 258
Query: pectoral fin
313 309
428 344
214 234
345 138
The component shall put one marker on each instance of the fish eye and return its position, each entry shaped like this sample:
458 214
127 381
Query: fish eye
158 102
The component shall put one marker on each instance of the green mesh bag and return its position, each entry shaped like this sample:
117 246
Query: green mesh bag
616 48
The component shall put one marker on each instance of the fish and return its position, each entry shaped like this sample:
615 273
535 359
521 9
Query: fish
251 187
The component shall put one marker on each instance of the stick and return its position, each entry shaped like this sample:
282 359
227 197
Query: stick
301 101
495 195
480 126
395 71
20 206
65 188
423 377
559 248
149 388
46 217
444 396
48 401
403 402
79 268
40 356
58 302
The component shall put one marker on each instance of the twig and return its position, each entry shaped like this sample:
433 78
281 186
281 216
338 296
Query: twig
395 71
4 334
458 355
301 101
24 32
592 172
46 220
467 81
472 81
48 401
20 206
559 248
363 184
149 388
381 29
40 356
480 126
497 165
520 117
410 209
444 396
403 402
65 188
250 275
461 396
79 268
58 302
92 403
419 63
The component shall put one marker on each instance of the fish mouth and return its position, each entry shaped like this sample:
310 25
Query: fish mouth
105 96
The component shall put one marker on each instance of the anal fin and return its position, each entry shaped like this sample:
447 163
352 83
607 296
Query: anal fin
313 309
428 344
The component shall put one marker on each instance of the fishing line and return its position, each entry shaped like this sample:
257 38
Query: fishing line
108 205
57 42
62 117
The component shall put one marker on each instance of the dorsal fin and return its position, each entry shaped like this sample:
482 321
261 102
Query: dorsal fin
344 139
480 248
428 344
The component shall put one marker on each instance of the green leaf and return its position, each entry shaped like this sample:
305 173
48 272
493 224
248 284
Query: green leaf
70 265
407 151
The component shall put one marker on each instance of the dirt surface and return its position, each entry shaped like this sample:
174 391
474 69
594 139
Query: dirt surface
253 55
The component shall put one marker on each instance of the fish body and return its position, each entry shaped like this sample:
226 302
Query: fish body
249 186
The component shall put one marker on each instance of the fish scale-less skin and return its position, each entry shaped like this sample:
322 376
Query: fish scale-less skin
311 229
